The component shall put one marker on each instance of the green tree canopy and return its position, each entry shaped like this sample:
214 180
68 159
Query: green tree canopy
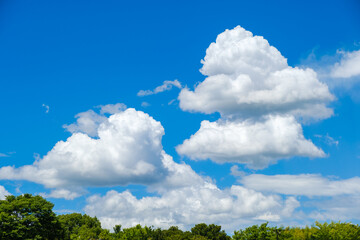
28 217
79 226
211 231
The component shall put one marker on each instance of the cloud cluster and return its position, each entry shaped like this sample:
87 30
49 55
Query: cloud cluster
186 199
128 150
248 77
259 97
166 86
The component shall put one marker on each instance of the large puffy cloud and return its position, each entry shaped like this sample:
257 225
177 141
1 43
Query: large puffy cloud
260 99
304 184
256 144
185 199
248 77
348 66
128 150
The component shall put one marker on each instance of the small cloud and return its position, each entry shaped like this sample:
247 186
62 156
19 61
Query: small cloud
166 86
171 102
88 122
145 104
112 108
61 193
47 108
17 189
8 154
234 170
328 140
348 66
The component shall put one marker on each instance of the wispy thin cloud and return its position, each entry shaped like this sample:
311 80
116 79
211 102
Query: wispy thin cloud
47 108
145 104
328 140
166 86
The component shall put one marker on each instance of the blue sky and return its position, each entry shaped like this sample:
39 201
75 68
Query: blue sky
277 94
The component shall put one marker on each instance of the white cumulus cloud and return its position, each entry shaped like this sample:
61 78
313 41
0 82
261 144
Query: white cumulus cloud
128 150
248 77
260 99
256 144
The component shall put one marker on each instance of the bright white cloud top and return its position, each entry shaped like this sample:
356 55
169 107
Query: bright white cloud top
259 97
248 77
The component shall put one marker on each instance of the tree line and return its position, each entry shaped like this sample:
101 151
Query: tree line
31 217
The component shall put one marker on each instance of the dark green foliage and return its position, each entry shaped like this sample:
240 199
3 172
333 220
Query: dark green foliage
28 217
78 226
319 231
211 231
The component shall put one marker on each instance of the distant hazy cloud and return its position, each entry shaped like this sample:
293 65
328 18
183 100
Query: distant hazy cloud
3 155
88 122
166 86
145 104
339 207
112 108
304 184
47 108
348 66
327 139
